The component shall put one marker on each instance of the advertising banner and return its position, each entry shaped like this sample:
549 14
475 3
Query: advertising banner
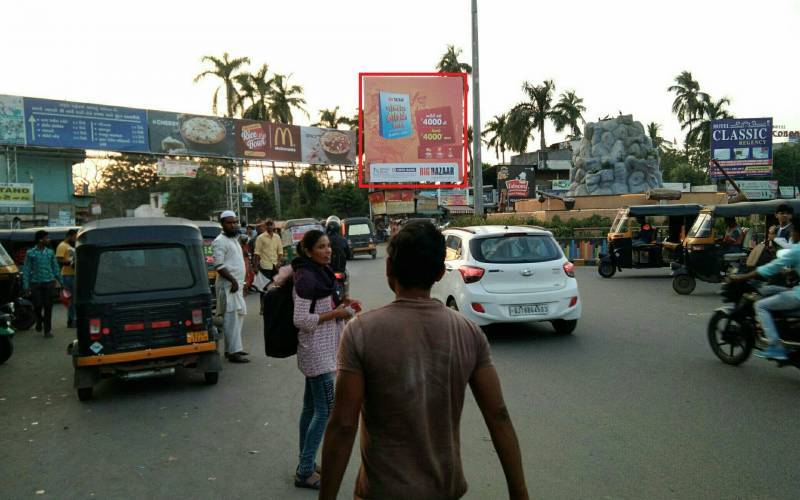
414 129
378 203
284 142
743 147
756 190
16 195
399 202
182 134
251 139
520 182
561 184
12 120
76 125
324 145
176 168
454 197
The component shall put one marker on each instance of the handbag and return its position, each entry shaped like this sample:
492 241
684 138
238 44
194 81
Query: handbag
65 296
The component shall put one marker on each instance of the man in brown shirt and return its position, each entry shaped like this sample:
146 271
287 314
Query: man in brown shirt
405 368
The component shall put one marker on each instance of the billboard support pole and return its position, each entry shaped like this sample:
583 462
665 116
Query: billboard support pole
477 165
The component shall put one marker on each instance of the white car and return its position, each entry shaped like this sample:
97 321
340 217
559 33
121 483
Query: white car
509 274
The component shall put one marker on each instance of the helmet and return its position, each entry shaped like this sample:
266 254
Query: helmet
333 223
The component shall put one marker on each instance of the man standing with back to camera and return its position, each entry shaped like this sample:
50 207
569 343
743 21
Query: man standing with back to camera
405 368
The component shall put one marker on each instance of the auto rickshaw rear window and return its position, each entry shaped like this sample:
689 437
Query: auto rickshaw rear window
358 230
151 269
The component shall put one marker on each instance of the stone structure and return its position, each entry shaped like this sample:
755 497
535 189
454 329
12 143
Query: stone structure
615 156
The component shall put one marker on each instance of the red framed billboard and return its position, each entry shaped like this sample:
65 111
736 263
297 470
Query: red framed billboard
414 130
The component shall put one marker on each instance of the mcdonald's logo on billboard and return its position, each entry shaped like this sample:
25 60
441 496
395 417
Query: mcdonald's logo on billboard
284 142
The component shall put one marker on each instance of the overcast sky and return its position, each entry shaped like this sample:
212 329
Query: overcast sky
617 55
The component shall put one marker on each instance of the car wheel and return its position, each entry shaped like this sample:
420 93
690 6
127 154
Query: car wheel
564 326
85 393
683 284
211 377
451 303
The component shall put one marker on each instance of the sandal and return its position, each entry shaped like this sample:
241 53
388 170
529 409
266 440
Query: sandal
311 482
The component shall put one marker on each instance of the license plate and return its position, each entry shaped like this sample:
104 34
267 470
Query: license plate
194 337
529 309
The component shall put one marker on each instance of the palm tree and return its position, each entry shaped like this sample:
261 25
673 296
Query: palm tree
653 131
700 133
449 62
518 129
330 118
535 113
688 101
224 69
255 87
569 113
498 128
284 97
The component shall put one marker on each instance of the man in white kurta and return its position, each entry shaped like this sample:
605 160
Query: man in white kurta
229 262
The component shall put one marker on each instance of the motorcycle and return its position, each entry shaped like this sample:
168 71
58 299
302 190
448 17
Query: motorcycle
6 332
733 331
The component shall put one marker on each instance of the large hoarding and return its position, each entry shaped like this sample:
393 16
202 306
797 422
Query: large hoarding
414 130
743 147
517 181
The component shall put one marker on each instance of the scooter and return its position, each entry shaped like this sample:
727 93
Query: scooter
6 332
733 331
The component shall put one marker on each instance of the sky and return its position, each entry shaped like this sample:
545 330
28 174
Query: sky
616 55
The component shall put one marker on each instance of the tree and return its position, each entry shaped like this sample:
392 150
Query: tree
126 184
688 101
285 97
680 166
345 199
198 198
569 113
224 69
536 112
256 87
653 131
498 128
786 163
700 133
330 118
449 62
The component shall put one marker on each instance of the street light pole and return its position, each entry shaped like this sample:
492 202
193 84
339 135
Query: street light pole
477 165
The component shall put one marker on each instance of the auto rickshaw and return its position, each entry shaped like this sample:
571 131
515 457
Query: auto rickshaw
292 232
627 247
142 302
209 230
360 235
706 258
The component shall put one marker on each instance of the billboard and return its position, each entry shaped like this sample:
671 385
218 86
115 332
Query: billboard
519 181
414 130
325 145
16 195
251 139
12 120
183 134
399 202
756 190
176 168
378 202
743 147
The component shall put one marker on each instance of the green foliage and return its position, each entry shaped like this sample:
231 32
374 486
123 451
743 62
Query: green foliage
559 228
785 163
198 198
127 183
678 166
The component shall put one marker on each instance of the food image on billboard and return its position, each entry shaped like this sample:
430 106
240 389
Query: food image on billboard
413 129
178 133
328 146
251 139
743 147
12 120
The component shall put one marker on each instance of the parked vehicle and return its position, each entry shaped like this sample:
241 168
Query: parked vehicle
732 330
18 241
360 235
706 258
292 232
626 251
143 302
11 292
6 332
209 231
504 274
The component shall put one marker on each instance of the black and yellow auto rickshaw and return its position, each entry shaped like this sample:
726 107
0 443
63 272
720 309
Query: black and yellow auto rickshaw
142 302
630 248
707 258
360 235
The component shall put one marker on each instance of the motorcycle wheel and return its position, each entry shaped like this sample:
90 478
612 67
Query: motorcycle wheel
606 269
730 340
6 348
683 284
24 319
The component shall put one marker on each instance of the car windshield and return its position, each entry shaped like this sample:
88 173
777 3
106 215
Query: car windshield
515 249
358 230
5 259
134 270
702 226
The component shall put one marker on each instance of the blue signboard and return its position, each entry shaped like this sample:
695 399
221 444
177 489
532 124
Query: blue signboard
64 124
743 147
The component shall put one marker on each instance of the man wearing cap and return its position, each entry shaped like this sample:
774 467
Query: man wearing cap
229 262
40 275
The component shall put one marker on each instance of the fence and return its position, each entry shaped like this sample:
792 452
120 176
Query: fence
586 249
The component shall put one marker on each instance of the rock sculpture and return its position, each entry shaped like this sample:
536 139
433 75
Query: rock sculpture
615 156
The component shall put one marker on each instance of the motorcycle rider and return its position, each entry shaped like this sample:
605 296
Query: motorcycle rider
783 301
340 249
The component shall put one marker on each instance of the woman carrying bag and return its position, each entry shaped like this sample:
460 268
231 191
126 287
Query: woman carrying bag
319 315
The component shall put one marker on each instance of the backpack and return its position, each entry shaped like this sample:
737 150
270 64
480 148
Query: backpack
280 334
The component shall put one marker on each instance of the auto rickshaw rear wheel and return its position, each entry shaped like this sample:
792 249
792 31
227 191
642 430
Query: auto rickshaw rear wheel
683 284
84 393
6 348
211 377
606 269
24 318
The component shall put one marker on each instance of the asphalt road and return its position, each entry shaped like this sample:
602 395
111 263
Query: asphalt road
632 405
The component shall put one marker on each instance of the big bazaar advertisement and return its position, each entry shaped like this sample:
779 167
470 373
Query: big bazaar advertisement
413 129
